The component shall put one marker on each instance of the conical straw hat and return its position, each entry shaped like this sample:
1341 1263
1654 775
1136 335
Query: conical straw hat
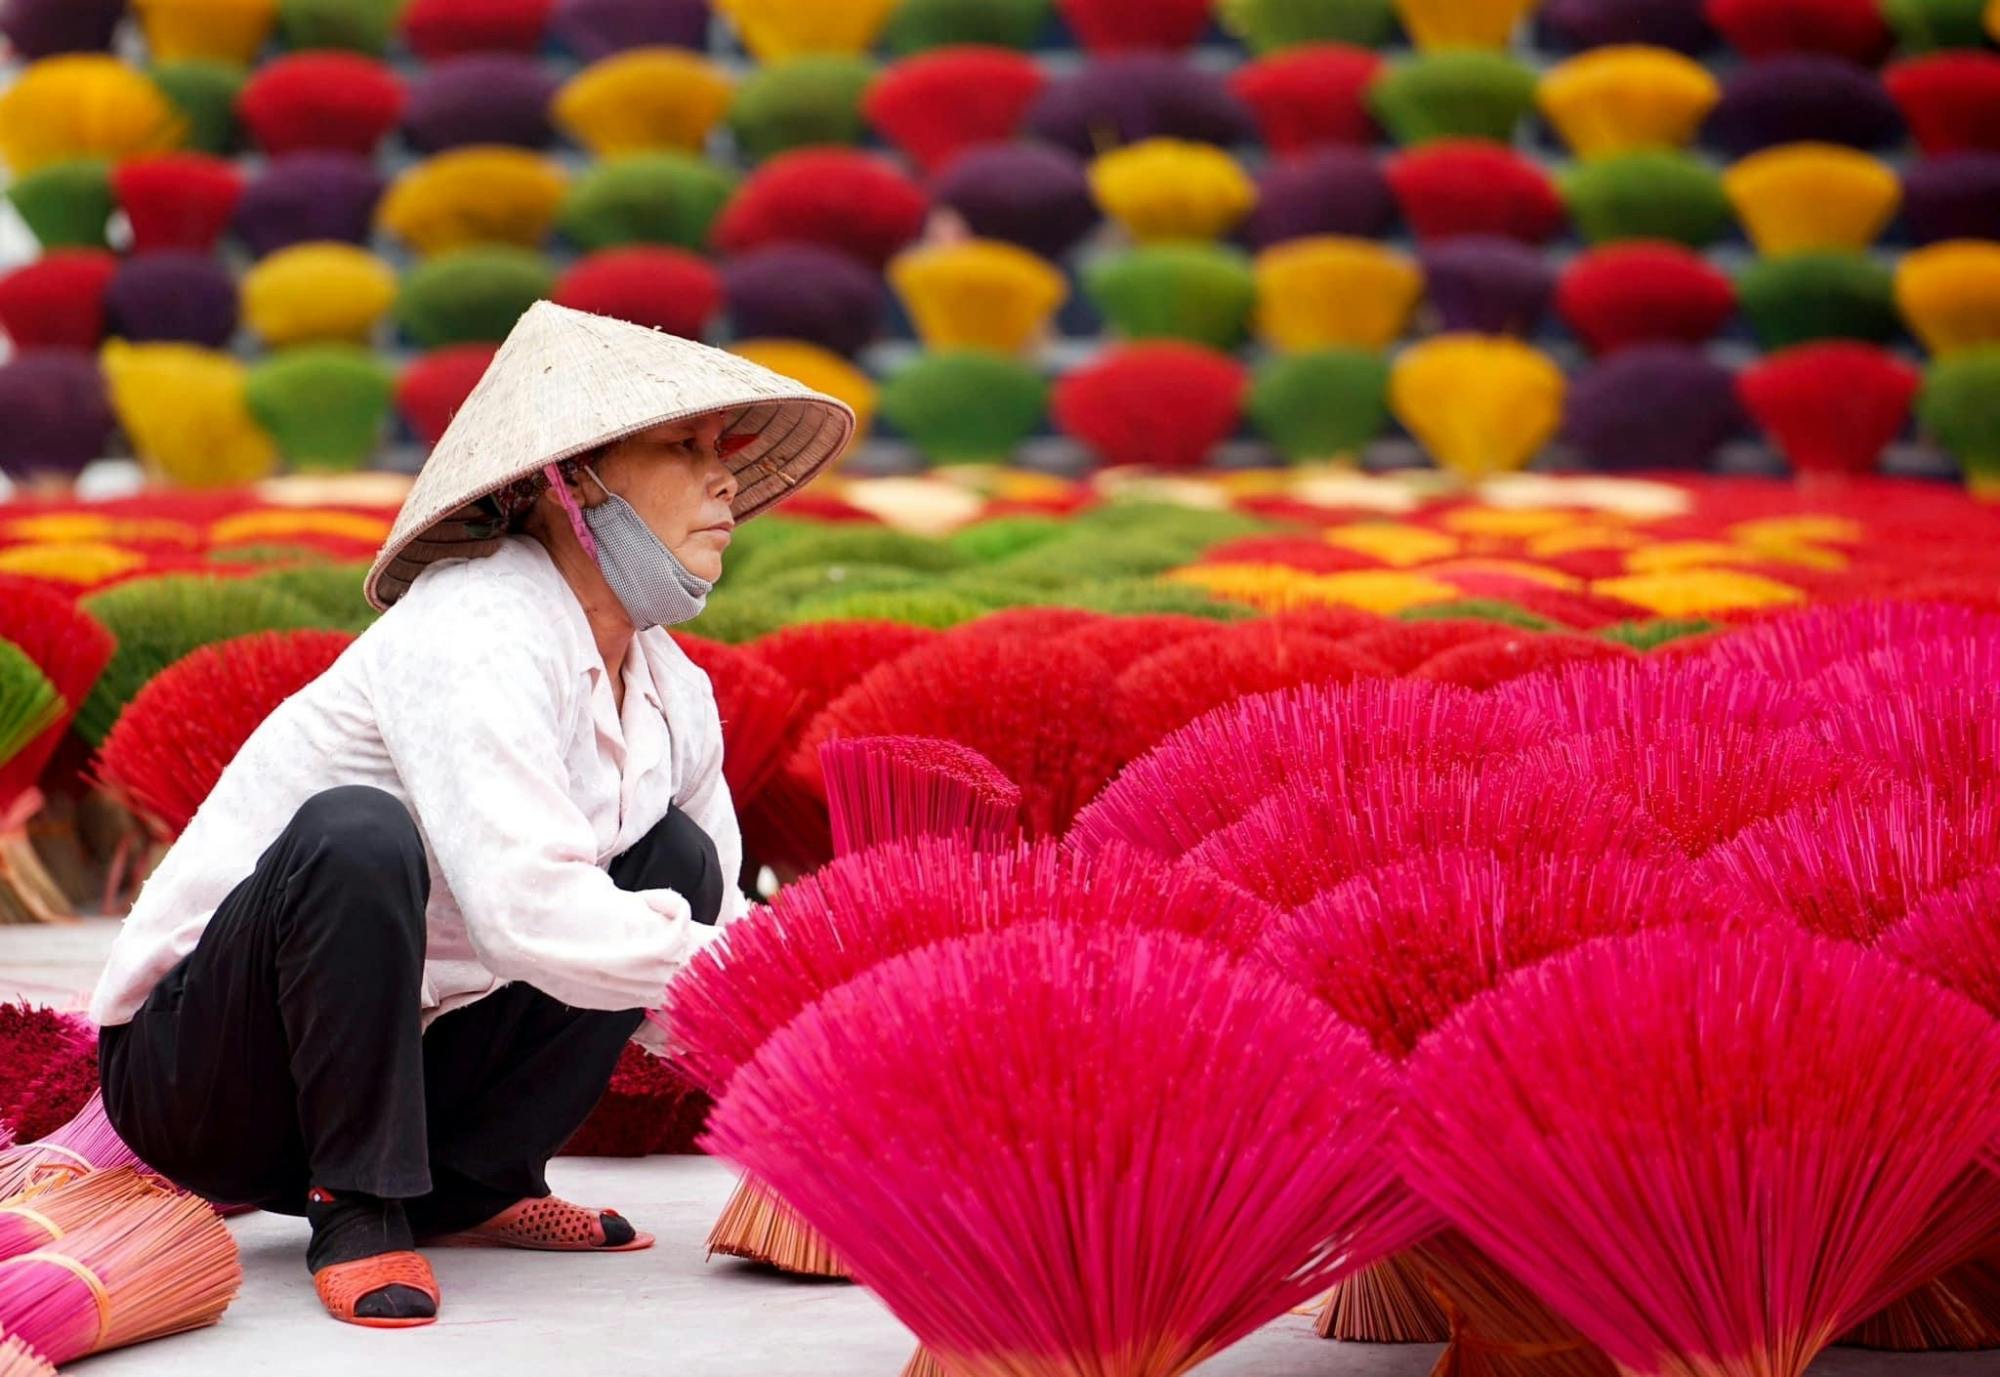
566 382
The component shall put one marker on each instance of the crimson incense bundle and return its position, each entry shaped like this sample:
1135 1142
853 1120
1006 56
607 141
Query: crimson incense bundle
786 825
1044 713
1177 684
1799 646
39 1217
758 707
172 742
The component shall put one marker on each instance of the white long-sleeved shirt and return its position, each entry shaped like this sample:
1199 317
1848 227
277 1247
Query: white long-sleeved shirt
481 703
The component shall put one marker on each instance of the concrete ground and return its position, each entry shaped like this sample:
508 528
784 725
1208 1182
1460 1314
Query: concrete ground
665 1311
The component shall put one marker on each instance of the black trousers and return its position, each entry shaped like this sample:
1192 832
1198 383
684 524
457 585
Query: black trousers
286 1050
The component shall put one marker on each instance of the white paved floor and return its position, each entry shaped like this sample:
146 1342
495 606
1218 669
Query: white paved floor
667 1312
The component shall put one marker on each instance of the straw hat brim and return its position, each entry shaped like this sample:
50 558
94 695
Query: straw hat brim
567 382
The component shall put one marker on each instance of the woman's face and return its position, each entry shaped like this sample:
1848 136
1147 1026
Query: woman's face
676 479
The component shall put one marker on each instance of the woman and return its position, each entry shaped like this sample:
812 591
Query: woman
389 967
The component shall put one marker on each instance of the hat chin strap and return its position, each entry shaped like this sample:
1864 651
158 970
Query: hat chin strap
576 521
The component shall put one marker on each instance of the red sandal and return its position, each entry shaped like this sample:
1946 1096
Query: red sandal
545 1225
342 1285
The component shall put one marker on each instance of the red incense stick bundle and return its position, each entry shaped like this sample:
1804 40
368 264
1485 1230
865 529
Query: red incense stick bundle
1173 686
1702 784
1044 712
758 707
1692 1149
160 1265
174 739
785 825
1053 1151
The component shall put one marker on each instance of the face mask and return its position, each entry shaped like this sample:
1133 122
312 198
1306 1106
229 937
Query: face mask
649 580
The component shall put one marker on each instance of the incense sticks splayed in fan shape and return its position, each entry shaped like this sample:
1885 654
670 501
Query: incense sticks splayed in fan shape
1397 951
1209 773
1043 712
1705 784
161 1264
1692 1148
757 706
1308 836
1800 646
1053 1151
1831 407
1849 863
37 1048
649 1107
888 788
1172 687
174 739
786 824
1652 406
863 909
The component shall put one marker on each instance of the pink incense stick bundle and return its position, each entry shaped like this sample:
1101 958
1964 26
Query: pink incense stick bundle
860 910
1705 784
1799 646
1211 772
1692 1148
1636 697
1849 863
1940 731
1952 936
39 1217
87 1143
880 789
1397 951
160 1265
889 788
1054 1151
1308 837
